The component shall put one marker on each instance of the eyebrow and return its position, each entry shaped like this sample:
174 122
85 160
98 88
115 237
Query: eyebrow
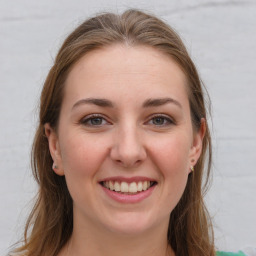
107 103
94 101
160 102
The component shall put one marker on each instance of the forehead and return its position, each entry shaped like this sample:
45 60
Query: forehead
119 68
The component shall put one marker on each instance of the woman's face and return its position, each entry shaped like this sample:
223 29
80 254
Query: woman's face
125 141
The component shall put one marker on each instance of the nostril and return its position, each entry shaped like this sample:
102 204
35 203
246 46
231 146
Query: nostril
128 163
128 152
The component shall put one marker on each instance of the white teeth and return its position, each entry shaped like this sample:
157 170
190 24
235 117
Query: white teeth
117 187
133 187
111 185
125 187
145 185
140 187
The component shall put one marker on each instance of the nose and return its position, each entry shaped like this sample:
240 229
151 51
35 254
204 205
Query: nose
128 149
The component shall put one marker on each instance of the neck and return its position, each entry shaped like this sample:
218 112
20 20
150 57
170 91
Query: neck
87 240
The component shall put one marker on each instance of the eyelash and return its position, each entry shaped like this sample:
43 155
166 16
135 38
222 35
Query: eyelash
167 120
85 121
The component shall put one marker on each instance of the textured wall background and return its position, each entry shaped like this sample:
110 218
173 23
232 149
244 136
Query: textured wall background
221 37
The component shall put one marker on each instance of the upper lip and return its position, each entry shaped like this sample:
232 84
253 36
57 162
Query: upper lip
128 179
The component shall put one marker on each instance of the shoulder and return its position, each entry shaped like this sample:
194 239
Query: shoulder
230 254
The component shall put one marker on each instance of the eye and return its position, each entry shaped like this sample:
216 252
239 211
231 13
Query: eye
161 120
94 120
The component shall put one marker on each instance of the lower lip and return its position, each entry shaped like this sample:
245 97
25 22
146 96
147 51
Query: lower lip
129 199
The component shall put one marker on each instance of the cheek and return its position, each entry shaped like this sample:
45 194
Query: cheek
81 160
172 154
81 156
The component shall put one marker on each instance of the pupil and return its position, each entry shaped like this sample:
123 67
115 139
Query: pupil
158 120
96 121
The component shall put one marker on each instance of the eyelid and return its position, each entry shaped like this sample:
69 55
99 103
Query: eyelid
170 120
84 121
89 117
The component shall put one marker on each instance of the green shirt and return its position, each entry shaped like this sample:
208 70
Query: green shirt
230 254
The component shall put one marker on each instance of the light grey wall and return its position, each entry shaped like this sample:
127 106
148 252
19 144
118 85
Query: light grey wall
221 37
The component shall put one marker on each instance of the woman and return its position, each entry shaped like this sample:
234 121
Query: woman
121 145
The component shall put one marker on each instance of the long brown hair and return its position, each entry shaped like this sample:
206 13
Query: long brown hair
50 223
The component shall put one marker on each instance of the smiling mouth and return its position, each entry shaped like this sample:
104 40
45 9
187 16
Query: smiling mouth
128 188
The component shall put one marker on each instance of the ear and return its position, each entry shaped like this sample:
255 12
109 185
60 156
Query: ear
54 149
196 147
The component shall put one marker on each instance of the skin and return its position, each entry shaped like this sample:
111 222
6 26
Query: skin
125 139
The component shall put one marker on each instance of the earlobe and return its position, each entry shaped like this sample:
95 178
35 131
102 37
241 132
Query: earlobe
197 145
54 149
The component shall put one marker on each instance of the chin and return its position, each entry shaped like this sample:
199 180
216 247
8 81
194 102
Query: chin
131 223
